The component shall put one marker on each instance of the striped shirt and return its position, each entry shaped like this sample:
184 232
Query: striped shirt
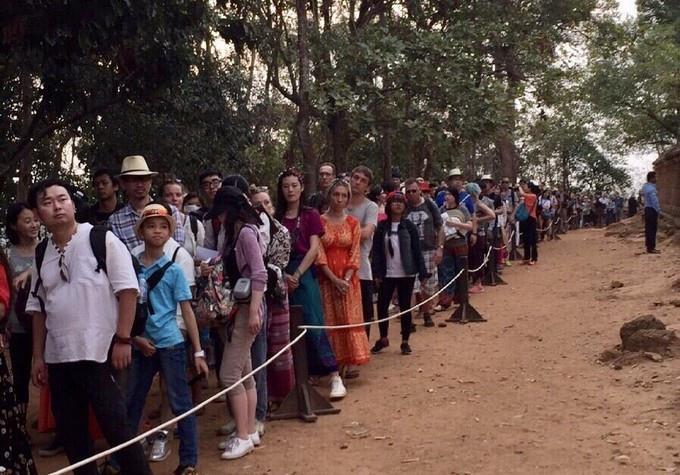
123 222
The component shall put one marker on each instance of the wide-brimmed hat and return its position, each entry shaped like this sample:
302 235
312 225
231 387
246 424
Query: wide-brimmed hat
454 172
156 210
487 177
135 165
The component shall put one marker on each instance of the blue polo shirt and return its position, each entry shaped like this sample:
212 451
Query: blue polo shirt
161 327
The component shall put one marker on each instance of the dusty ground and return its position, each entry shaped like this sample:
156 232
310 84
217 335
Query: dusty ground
522 393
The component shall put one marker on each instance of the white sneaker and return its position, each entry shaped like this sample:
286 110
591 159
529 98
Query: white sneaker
236 448
254 437
338 390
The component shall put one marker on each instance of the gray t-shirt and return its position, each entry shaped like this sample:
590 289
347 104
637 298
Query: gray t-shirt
366 213
18 264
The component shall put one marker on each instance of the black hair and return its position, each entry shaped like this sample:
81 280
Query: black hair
651 175
389 186
281 203
190 196
534 189
43 185
208 173
108 172
11 218
391 199
374 193
455 194
237 181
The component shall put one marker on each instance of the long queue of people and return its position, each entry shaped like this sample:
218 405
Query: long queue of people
119 293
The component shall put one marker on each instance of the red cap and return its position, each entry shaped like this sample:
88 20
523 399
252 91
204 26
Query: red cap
425 186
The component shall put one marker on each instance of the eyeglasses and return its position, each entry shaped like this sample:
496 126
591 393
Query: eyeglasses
214 183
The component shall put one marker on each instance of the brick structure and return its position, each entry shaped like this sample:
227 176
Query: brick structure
667 168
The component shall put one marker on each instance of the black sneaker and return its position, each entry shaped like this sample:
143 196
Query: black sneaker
413 327
428 320
380 345
405 348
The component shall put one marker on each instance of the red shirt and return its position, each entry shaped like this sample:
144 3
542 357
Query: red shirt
530 202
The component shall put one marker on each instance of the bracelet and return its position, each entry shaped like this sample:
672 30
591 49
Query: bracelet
199 354
122 340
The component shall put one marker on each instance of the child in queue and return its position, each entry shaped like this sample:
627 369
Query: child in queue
161 346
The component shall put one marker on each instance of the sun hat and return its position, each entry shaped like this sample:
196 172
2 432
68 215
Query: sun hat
454 172
156 210
135 165
487 177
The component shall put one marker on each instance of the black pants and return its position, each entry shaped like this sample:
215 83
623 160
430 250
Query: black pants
74 387
530 247
651 223
404 287
21 353
367 303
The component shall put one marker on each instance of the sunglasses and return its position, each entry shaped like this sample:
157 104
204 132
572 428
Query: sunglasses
63 268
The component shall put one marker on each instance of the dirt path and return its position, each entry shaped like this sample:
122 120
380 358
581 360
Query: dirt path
522 393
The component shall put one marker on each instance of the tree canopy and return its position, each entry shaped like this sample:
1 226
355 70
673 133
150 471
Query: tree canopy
554 89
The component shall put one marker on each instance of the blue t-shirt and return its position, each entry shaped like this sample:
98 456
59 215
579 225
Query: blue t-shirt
650 196
161 326
464 197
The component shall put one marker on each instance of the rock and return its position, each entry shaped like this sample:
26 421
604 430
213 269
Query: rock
653 356
343 446
645 322
608 355
616 284
675 303
622 459
655 341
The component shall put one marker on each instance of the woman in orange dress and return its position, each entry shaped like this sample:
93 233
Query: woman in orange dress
338 262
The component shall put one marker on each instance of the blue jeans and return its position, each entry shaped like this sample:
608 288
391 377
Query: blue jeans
172 364
258 355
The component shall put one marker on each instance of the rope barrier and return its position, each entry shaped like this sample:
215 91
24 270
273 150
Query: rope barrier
181 416
399 314
504 246
545 229
304 328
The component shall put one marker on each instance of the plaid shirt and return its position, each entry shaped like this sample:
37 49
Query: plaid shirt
123 222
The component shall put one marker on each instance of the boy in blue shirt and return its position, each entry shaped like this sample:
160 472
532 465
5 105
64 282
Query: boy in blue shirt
161 346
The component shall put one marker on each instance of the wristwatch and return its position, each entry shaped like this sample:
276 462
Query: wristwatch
199 354
122 340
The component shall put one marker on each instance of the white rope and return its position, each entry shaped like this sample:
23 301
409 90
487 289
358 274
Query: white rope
504 245
391 317
545 229
181 416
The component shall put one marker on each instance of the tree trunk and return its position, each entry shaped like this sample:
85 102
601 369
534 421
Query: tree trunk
507 152
304 110
26 155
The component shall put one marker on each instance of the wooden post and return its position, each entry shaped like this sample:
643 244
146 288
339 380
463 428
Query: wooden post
491 276
303 401
465 313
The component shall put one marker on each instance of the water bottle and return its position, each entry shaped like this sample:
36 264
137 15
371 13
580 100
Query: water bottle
143 289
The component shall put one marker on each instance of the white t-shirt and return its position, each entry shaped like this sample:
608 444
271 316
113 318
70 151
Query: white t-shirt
184 261
366 213
395 267
191 241
82 314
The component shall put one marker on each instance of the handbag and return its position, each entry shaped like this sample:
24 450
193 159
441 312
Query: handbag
522 213
215 301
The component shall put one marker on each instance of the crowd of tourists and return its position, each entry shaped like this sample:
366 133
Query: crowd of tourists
190 283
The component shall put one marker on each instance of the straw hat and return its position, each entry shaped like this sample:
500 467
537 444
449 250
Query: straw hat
135 165
156 210
487 177
454 172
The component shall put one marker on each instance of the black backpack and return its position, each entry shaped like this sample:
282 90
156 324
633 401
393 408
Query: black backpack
98 245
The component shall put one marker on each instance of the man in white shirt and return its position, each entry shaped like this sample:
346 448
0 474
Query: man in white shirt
81 314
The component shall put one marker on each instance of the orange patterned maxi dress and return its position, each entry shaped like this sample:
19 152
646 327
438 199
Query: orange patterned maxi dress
340 251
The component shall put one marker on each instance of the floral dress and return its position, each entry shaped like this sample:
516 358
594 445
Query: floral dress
340 251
